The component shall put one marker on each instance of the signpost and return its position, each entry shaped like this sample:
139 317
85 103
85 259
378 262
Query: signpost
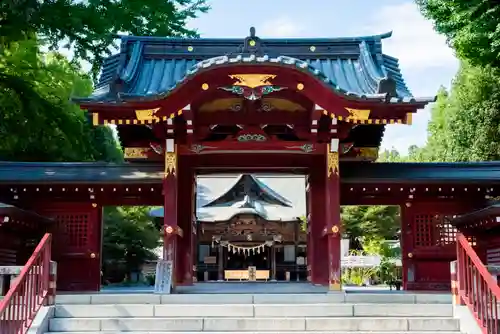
163 281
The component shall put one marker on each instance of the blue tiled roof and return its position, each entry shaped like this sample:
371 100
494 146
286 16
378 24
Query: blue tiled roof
16 173
151 67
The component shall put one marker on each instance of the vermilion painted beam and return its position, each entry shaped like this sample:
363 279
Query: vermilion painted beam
228 117
226 149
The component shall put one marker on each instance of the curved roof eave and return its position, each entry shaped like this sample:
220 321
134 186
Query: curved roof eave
261 184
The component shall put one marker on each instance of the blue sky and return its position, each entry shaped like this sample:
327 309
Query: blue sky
425 60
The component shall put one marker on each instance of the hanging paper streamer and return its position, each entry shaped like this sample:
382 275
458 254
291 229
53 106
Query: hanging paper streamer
235 249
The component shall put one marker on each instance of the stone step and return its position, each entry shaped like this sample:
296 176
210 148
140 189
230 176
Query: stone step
382 298
346 324
296 332
256 310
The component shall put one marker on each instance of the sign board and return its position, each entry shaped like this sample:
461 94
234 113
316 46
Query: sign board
252 273
163 281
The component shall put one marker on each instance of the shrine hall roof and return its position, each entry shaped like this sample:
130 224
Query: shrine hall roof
15 173
151 67
221 197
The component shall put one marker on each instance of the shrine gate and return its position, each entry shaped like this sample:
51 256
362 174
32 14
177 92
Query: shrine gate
316 107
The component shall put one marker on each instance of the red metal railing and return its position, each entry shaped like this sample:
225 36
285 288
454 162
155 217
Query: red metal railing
476 287
28 293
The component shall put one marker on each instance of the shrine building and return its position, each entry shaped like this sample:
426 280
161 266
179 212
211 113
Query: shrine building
243 221
311 109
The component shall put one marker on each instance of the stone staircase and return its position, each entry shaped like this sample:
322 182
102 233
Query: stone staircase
260 313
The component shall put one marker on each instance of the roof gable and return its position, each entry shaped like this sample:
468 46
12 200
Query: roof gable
248 189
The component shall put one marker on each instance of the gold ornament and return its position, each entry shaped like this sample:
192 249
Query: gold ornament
332 162
335 229
146 114
170 163
300 86
136 152
252 80
358 114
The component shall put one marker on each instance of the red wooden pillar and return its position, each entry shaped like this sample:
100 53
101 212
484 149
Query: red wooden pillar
186 210
171 228
318 241
333 223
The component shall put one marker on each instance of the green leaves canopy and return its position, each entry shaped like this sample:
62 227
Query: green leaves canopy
38 122
370 222
89 27
129 236
472 27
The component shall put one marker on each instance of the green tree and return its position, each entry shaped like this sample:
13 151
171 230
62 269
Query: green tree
364 223
472 27
90 27
465 123
129 237
38 122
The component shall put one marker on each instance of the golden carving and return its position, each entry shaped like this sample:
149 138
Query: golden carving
204 86
95 118
332 162
170 163
409 118
146 114
369 153
300 86
252 80
335 229
358 114
136 152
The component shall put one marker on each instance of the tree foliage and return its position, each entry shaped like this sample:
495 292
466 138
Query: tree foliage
38 122
129 237
465 122
472 27
370 223
89 27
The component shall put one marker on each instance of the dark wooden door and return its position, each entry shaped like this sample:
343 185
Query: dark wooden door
77 246
429 244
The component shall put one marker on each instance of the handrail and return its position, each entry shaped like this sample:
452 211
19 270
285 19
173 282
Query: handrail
29 291
476 287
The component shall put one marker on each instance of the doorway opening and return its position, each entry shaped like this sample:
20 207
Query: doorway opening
250 227
131 246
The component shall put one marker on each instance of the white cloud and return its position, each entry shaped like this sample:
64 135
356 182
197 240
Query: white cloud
414 40
425 59
280 27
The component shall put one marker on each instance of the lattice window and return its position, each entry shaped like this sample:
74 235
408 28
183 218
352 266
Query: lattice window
446 233
74 228
423 226
433 230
